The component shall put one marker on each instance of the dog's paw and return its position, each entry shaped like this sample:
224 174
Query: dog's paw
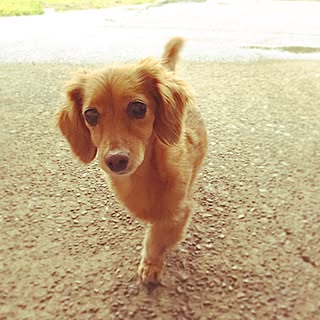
150 273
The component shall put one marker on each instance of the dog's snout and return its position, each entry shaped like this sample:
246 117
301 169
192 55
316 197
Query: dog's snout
117 162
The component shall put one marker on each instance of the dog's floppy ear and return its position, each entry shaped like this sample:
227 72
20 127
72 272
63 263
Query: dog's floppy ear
71 123
172 97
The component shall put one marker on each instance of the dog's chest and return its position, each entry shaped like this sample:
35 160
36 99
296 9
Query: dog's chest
141 197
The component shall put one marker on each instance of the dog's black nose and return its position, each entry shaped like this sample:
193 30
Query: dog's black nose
117 162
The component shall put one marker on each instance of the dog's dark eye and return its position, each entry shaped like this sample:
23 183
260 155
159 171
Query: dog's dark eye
136 109
91 115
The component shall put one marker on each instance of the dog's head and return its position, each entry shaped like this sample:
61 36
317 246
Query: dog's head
120 111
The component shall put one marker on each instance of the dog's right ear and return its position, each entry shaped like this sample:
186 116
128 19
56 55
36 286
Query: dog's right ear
70 120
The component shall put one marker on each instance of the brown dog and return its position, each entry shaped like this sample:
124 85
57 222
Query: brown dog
150 139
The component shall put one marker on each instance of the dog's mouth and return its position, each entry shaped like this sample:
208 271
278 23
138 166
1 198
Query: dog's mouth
122 173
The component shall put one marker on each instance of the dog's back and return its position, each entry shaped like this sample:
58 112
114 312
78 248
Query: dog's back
195 131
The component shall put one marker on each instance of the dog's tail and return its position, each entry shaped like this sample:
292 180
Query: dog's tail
171 52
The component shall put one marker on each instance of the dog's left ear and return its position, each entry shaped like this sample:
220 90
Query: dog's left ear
172 96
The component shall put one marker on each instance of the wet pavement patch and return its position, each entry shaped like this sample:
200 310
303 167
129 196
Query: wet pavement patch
291 49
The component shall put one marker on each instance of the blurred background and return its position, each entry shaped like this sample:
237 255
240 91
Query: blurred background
56 30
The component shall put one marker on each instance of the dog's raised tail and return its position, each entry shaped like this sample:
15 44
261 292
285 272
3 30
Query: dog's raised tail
171 52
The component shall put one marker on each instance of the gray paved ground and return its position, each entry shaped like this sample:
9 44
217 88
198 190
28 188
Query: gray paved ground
69 251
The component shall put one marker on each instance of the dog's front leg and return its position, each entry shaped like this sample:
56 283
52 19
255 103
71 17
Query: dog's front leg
161 236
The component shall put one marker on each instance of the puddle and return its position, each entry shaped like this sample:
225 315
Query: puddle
290 49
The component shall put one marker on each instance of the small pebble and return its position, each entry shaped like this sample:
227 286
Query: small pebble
179 289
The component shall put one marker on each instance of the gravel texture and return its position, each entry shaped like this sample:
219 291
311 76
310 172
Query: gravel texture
68 250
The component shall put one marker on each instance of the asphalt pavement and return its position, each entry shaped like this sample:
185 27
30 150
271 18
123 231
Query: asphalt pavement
68 250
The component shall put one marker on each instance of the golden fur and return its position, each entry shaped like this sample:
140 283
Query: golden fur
164 149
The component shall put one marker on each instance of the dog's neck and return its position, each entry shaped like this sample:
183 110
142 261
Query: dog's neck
148 182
